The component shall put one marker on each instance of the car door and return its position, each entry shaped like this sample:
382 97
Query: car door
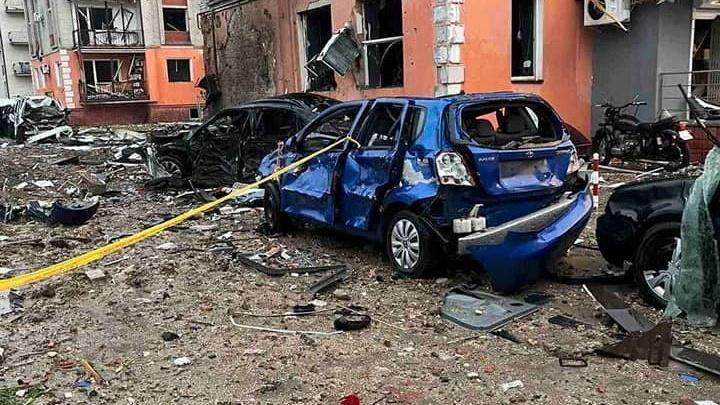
214 149
368 169
270 126
307 191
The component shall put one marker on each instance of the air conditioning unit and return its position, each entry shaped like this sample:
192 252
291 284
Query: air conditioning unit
594 15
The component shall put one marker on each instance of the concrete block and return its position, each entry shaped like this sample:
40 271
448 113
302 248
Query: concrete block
441 54
454 54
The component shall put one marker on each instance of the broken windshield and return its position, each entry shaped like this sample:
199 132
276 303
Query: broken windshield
508 125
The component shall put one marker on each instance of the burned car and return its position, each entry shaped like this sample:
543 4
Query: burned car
228 147
490 176
34 115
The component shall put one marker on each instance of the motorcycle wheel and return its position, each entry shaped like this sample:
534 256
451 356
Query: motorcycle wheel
601 146
678 155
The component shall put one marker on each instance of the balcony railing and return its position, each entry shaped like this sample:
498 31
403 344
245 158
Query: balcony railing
108 39
13 6
704 84
18 37
21 68
126 91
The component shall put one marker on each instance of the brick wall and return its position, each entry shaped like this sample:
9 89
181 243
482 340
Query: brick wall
701 145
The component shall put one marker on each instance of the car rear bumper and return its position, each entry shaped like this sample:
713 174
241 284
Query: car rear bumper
517 252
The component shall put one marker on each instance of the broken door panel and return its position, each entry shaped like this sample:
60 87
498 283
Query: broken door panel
214 149
366 173
307 191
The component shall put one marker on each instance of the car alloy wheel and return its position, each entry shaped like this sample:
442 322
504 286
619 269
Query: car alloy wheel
172 167
652 262
405 244
658 281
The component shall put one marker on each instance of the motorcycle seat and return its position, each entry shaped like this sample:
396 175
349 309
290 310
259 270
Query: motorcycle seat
665 123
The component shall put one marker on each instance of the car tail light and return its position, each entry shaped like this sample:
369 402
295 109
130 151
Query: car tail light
452 170
682 126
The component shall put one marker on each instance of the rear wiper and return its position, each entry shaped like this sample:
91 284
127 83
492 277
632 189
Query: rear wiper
522 142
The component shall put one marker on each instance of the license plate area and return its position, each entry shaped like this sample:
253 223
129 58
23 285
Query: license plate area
524 173
686 135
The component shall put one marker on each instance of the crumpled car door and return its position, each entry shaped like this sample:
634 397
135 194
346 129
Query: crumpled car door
369 168
214 150
308 191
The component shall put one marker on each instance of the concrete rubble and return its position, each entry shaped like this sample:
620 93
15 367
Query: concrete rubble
180 318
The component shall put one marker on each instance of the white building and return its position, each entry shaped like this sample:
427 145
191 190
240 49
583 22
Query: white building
15 70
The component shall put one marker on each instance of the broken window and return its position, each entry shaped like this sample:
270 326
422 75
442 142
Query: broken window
175 19
317 25
178 70
101 71
382 126
527 39
502 124
383 45
330 129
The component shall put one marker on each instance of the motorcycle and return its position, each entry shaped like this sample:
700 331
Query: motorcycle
624 136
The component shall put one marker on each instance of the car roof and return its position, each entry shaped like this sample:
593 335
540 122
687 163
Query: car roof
465 98
307 101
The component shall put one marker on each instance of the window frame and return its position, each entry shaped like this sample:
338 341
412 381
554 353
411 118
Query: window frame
94 70
187 20
190 70
363 131
366 43
539 45
321 120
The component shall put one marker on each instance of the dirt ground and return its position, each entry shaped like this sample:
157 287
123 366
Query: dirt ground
409 355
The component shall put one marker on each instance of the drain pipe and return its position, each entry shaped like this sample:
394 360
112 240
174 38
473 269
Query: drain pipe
4 66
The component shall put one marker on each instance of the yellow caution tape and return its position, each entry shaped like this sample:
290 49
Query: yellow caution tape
99 253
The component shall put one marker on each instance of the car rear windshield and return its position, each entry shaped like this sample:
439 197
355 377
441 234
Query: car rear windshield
508 125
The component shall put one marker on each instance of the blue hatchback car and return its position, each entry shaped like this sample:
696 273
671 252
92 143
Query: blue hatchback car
493 176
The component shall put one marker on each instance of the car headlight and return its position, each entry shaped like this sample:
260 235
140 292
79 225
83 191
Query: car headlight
575 162
452 171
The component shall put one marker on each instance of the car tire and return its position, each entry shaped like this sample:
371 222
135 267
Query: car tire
411 247
173 166
653 255
275 219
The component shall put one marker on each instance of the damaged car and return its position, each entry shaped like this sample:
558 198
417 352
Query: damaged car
639 228
228 147
34 115
491 176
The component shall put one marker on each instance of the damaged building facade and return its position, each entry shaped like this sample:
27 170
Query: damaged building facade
350 49
117 61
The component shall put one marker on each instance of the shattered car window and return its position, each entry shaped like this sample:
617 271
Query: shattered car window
42 108
508 125
382 126
330 129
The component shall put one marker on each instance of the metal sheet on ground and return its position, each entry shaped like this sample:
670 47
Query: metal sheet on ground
482 311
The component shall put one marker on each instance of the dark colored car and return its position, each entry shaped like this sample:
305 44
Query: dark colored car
24 117
492 176
228 147
639 229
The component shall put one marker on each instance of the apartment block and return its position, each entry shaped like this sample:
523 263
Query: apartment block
114 62
14 55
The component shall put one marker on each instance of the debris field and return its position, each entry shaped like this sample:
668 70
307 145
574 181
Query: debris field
184 318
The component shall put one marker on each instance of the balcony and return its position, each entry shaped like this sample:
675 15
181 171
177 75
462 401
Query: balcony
103 39
115 92
14 6
21 69
18 37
